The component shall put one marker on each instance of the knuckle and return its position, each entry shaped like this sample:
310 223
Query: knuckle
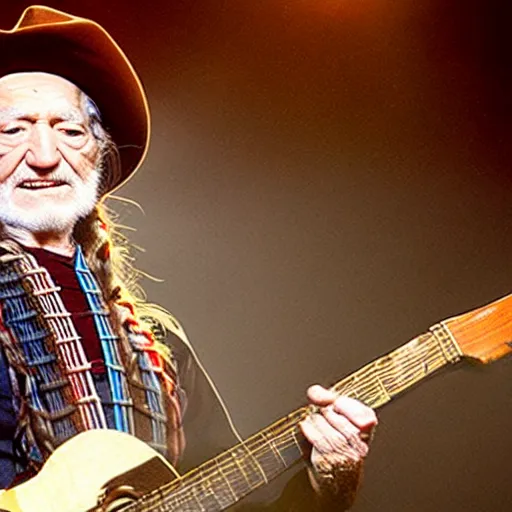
355 411
341 445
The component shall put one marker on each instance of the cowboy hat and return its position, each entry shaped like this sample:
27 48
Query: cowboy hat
81 51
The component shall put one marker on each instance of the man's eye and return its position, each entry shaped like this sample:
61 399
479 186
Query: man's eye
70 132
12 131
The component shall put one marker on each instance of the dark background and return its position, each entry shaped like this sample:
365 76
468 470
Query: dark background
327 179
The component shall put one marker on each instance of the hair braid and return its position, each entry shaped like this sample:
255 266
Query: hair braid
107 252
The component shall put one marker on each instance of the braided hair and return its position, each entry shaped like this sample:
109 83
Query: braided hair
108 251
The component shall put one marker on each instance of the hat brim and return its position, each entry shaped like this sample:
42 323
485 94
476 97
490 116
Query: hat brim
83 52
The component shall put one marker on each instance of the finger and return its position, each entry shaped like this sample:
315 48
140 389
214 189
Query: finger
362 416
325 438
347 429
321 396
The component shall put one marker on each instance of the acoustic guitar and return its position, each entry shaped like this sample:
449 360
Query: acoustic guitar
106 470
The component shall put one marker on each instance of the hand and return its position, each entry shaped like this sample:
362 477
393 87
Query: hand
339 432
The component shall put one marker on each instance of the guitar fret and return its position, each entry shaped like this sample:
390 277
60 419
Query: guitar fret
371 391
212 501
253 472
197 500
275 449
186 498
223 482
298 444
226 479
446 342
404 378
184 502
215 484
378 382
244 484
382 391
292 451
267 459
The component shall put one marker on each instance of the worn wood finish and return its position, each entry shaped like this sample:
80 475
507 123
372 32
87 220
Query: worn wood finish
484 333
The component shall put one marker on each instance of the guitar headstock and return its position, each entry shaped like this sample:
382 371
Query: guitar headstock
484 333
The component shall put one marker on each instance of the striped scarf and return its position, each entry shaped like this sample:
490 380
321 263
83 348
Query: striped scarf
57 394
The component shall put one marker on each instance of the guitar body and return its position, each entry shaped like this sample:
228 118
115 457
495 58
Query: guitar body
77 474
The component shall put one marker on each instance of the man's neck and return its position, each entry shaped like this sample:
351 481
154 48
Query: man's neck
57 242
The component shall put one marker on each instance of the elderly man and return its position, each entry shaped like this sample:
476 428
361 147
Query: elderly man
80 349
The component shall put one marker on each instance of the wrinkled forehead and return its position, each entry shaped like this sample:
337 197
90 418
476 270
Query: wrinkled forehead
30 92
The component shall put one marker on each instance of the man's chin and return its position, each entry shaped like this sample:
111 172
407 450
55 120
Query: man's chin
42 224
45 220
40 200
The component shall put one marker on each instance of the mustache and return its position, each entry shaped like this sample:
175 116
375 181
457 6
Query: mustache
68 177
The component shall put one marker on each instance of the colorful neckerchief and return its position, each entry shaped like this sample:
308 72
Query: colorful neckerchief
59 383
148 369
121 401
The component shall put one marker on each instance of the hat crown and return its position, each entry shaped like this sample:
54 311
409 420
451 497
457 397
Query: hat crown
41 15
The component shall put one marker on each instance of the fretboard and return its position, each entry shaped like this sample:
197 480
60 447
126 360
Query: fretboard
224 480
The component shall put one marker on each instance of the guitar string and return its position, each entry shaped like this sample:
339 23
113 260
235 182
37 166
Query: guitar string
434 359
266 432
198 476
405 366
182 495
402 356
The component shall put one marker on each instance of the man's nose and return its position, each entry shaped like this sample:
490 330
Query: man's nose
42 151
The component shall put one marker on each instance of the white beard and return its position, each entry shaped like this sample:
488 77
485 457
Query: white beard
49 216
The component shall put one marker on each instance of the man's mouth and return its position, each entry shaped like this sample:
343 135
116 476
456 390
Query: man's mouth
39 184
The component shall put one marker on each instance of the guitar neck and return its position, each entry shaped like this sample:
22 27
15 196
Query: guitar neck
378 382
224 480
